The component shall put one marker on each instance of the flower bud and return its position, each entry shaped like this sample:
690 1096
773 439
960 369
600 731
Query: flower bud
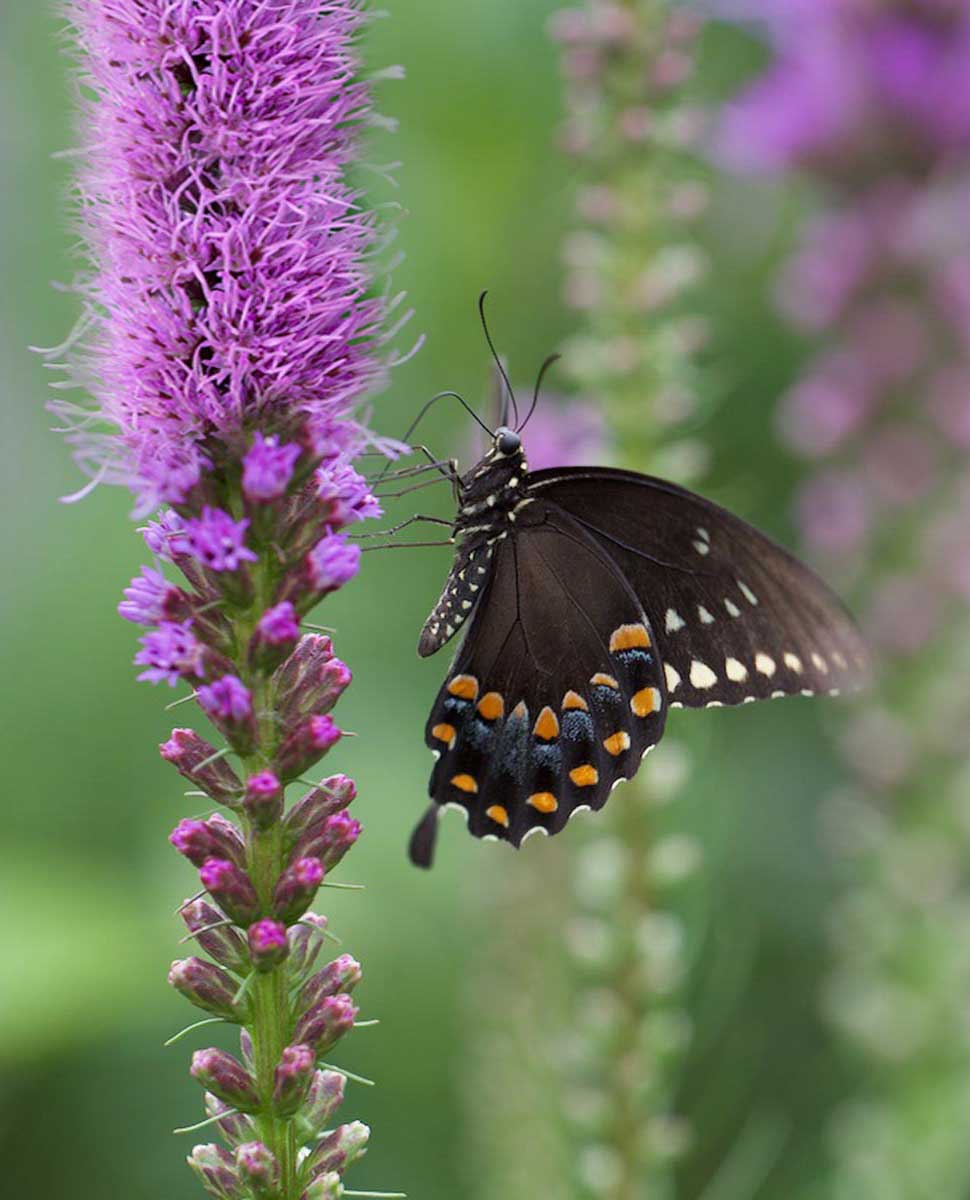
264 799
324 1187
306 942
228 704
192 756
267 944
340 1149
224 943
258 1169
340 976
235 1127
307 743
318 692
296 889
292 1078
277 632
311 654
331 840
324 1097
216 1171
214 838
207 987
333 795
323 1025
231 888
225 1077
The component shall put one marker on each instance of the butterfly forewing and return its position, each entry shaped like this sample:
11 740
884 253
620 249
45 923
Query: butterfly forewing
736 618
556 692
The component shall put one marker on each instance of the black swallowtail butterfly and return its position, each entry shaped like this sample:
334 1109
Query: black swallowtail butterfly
596 599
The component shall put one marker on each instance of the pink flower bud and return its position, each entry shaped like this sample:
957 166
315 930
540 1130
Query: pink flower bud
216 1170
224 943
324 1187
296 889
340 976
276 634
339 1150
259 1170
325 1023
235 1127
231 888
264 799
292 1079
330 840
324 1097
330 797
267 944
225 1077
306 942
192 756
214 838
305 746
208 987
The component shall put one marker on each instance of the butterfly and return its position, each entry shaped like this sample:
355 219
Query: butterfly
593 601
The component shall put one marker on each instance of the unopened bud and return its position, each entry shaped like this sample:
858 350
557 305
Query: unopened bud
306 942
310 655
268 945
292 1078
264 799
235 1127
331 796
330 840
197 760
339 1149
215 935
231 888
276 635
216 1171
225 1077
340 976
324 1097
228 704
296 889
208 987
258 1169
323 1025
307 743
324 1187
214 838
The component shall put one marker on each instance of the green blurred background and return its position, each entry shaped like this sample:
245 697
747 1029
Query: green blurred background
88 883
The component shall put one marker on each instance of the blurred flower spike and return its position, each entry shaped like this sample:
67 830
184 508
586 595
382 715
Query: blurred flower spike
230 330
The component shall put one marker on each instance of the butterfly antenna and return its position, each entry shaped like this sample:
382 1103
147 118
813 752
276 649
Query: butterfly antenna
498 361
420 417
535 395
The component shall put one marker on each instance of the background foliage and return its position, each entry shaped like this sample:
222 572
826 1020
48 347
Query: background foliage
87 880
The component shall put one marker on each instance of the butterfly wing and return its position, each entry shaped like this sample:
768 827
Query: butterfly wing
735 617
555 694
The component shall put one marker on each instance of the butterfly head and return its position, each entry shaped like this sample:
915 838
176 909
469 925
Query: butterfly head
507 441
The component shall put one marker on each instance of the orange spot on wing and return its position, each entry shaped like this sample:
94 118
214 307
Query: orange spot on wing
646 702
573 700
498 814
444 733
629 637
585 776
544 802
546 726
601 680
465 783
465 687
616 743
491 706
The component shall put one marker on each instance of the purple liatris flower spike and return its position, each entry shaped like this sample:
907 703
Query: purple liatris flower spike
232 330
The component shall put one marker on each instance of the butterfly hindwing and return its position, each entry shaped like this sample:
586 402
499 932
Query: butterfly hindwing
735 617
555 694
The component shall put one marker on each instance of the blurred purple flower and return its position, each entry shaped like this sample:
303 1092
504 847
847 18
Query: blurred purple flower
268 468
170 652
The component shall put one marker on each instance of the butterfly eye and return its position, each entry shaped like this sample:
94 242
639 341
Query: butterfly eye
507 441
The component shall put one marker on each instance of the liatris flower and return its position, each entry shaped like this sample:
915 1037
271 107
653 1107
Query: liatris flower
229 332
879 278
632 264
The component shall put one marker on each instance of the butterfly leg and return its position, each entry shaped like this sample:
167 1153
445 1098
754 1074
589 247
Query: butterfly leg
356 537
